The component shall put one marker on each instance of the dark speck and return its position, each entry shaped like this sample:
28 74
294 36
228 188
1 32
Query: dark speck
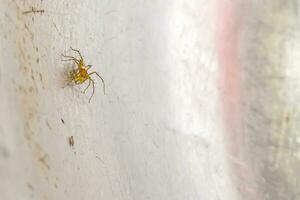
44 161
62 121
71 141
4 152
29 186
41 77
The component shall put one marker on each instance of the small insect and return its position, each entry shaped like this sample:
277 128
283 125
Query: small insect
71 141
80 74
33 10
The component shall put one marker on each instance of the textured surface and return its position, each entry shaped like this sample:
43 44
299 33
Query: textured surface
270 58
155 135
202 100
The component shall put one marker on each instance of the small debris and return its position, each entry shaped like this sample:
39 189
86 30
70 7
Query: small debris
100 160
63 121
71 141
33 10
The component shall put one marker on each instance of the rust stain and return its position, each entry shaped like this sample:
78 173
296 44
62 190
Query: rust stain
43 160
28 101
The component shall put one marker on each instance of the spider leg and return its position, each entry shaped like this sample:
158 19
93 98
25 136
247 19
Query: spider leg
88 67
93 84
101 80
87 86
77 52
70 58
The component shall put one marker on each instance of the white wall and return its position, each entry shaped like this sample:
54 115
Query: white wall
155 135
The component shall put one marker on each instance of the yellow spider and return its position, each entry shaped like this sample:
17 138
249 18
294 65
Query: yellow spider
80 74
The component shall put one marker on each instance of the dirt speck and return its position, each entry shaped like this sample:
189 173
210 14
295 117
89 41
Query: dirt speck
287 118
48 125
71 141
4 152
41 77
99 158
32 75
63 121
43 160
30 89
21 88
25 69
30 186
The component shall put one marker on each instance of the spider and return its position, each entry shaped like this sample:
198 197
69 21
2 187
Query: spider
80 74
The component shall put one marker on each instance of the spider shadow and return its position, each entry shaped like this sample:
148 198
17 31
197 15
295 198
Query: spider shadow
77 90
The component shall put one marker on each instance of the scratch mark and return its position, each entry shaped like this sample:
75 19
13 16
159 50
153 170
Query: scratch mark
33 10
